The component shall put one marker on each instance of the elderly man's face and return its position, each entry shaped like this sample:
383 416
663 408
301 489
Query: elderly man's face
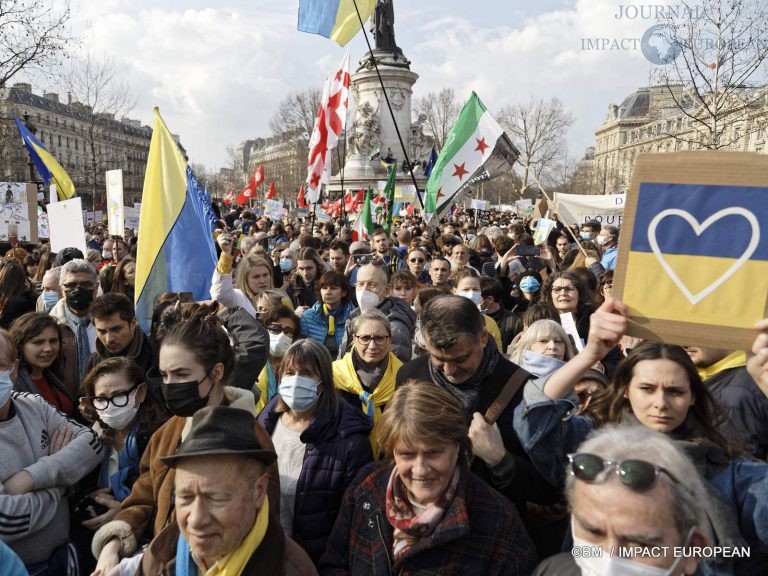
217 501
610 514
459 362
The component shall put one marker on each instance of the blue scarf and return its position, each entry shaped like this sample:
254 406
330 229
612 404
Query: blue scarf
128 459
271 381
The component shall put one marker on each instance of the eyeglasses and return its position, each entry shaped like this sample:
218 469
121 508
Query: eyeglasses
367 339
278 328
558 289
637 475
416 260
367 259
118 400
75 285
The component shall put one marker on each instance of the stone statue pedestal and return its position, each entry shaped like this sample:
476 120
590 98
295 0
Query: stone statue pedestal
373 128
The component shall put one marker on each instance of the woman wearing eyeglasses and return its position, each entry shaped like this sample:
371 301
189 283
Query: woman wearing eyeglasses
422 511
127 416
658 386
283 326
366 374
321 443
326 319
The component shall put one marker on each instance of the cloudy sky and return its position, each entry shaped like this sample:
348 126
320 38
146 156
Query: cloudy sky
218 68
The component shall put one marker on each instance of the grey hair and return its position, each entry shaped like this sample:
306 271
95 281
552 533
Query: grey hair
373 314
77 266
688 496
52 273
445 318
541 328
612 230
246 244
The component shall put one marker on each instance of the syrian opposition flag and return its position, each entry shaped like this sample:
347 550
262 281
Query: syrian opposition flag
329 124
271 193
477 149
363 228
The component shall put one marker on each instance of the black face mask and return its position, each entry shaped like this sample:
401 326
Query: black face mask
183 398
79 298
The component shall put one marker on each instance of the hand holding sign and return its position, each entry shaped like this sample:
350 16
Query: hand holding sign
757 365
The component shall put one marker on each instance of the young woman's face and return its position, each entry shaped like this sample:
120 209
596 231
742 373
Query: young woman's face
400 290
129 273
41 350
258 278
416 262
660 394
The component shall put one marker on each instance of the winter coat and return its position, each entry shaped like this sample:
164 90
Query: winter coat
402 320
746 406
277 555
67 369
480 533
139 350
337 448
527 484
314 324
250 342
24 383
299 293
150 507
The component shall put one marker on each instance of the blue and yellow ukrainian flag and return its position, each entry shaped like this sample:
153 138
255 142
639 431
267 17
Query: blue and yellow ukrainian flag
696 253
334 19
175 251
47 166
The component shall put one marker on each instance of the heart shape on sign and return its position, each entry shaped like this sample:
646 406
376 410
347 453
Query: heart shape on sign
698 229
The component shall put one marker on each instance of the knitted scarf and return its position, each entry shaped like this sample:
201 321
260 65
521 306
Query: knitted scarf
411 525
467 392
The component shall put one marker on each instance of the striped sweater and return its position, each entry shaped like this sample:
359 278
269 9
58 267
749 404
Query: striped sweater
36 523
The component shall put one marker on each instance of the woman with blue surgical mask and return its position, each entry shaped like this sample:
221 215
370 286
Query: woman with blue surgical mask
467 284
283 327
321 442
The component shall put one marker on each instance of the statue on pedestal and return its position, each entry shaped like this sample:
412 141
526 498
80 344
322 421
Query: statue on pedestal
383 29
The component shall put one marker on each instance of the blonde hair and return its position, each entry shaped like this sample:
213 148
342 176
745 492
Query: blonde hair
535 332
246 265
422 411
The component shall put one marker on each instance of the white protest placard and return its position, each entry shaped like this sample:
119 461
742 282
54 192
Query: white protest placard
273 209
98 216
65 223
115 211
543 228
14 192
521 205
478 204
405 193
131 218
579 208
18 212
54 194
42 224
569 325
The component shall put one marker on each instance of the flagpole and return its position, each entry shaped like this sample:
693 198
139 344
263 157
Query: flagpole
389 106
341 176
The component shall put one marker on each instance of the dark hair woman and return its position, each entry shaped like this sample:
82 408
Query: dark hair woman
16 294
326 319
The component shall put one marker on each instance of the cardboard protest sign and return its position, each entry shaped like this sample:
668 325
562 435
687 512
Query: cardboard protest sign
580 208
693 252
115 208
65 222
478 204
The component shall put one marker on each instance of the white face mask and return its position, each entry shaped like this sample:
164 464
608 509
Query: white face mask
475 295
601 240
366 299
118 418
611 565
279 344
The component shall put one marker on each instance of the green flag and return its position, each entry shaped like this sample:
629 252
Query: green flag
389 194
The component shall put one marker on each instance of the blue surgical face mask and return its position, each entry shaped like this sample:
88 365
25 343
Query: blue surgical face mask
6 386
286 264
586 235
529 284
49 299
298 392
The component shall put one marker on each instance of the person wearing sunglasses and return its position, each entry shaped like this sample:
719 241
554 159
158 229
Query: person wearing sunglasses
658 386
417 261
366 374
127 414
283 327
631 488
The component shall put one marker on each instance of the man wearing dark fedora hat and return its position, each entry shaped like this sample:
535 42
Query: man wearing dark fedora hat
223 524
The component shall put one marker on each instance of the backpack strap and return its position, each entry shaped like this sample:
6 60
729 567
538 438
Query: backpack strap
513 384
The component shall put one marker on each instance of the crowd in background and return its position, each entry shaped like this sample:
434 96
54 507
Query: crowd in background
418 404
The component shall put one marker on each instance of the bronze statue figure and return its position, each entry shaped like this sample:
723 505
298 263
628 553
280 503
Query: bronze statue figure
383 29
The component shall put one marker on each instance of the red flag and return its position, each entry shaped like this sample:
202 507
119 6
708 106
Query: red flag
271 193
246 195
352 202
329 124
257 178
229 198
300 201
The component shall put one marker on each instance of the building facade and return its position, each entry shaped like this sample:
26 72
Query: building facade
650 120
85 144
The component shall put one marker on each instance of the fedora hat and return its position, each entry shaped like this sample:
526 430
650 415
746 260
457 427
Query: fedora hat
221 430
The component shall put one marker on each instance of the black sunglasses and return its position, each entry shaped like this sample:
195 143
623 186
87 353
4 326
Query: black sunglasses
277 328
637 475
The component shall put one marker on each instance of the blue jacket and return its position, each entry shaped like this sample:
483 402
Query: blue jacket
314 324
337 447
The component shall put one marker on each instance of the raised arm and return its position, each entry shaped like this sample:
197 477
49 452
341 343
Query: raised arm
757 365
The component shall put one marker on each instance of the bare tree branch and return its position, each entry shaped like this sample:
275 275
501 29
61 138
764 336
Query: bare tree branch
295 116
440 113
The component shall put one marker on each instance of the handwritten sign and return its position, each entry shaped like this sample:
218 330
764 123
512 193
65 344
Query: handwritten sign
580 208
693 253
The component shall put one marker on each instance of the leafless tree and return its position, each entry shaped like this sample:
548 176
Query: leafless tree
717 81
538 128
440 111
296 113
33 34
100 96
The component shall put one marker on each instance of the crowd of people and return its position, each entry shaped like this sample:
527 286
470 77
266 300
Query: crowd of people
445 400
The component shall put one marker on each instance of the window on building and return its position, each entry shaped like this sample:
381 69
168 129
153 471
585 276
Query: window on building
59 139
